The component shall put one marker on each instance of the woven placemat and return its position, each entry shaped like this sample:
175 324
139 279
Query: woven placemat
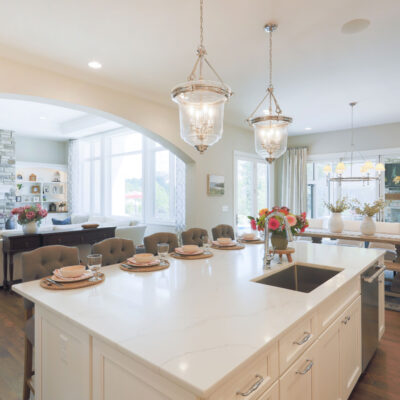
70 285
237 247
196 257
251 241
146 269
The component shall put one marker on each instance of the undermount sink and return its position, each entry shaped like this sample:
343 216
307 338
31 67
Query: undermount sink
300 278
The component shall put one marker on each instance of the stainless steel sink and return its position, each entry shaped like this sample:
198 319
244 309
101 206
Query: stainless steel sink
298 277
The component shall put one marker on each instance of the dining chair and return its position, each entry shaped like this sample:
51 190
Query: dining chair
150 242
37 264
223 231
114 250
194 236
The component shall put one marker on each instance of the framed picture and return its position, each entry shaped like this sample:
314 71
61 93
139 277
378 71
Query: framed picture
35 189
19 177
36 199
18 199
46 188
215 185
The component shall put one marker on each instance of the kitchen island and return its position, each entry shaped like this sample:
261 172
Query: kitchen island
204 329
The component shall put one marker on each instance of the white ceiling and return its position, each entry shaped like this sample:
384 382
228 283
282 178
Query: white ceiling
146 47
28 118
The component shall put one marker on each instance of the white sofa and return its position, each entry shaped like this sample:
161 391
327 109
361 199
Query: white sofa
126 228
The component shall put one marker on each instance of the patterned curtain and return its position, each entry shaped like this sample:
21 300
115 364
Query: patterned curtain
180 196
292 179
73 177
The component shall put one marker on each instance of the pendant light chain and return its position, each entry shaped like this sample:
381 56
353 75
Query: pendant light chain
201 24
270 59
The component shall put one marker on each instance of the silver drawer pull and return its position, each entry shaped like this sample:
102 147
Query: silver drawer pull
306 337
306 369
375 275
253 388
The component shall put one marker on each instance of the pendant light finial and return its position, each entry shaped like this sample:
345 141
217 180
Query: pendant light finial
201 102
270 126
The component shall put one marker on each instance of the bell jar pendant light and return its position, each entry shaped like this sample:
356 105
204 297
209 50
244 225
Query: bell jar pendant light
270 126
201 102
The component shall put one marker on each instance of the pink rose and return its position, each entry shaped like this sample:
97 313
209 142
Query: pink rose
30 215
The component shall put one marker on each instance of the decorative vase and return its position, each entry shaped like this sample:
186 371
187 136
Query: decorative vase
279 241
10 223
30 228
335 223
368 226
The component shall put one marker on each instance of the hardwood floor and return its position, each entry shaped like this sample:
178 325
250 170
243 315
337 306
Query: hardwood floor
381 381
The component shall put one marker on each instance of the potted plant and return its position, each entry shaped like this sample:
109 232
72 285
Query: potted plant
30 217
276 224
335 223
367 210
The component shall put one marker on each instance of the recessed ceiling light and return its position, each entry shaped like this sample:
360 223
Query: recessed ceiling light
308 128
355 26
94 64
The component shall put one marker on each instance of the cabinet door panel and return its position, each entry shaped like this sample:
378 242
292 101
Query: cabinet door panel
300 380
271 394
350 347
381 302
328 364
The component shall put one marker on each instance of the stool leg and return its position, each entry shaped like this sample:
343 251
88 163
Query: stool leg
289 257
27 368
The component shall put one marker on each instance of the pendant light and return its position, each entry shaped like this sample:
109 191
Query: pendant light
270 126
364 169
201 102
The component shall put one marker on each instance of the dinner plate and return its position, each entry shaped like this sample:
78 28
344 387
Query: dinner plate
180 251
216 243
59 278
250 240
147 264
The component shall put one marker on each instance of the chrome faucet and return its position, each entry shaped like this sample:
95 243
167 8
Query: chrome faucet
267 256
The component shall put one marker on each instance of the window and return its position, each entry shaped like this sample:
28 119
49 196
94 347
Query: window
128 174
251 188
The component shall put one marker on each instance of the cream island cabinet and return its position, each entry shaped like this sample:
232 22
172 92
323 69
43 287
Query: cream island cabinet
203 331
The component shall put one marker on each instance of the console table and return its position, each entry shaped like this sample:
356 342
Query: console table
18 243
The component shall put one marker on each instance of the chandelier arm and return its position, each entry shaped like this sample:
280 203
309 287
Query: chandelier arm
259 105
277 108
192 75
213 70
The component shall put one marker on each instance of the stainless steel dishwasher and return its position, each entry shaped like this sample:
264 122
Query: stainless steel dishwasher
369 312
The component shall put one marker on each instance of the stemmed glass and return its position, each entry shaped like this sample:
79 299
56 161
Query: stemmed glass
206 244
94 264
162 250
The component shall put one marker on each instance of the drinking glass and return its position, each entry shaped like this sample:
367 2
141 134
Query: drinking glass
206 244
162 250
94 264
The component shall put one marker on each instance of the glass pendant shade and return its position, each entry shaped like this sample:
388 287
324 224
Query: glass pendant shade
380 167
368 165
327 169
201 111
340 168
270 138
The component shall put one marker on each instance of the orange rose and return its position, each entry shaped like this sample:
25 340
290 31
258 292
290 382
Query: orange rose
263 211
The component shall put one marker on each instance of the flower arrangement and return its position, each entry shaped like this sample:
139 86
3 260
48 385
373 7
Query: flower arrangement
338 207
26 214
298 223
368 209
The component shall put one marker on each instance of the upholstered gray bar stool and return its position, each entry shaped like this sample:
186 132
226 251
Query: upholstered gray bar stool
223 231
150 242
194 236
114 250
37 264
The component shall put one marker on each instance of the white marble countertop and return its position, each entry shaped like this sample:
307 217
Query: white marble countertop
198 320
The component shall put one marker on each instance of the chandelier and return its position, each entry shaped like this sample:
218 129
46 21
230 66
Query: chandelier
201 102
365 169
270 126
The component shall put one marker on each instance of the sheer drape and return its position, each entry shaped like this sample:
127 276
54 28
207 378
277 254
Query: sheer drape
180 195
73 176
292 180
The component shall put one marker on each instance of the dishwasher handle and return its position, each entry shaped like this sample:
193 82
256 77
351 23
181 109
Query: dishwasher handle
371 278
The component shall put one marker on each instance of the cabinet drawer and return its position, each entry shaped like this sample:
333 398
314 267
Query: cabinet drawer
299 382
330 309
271 394
296 340
21 243
253 378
